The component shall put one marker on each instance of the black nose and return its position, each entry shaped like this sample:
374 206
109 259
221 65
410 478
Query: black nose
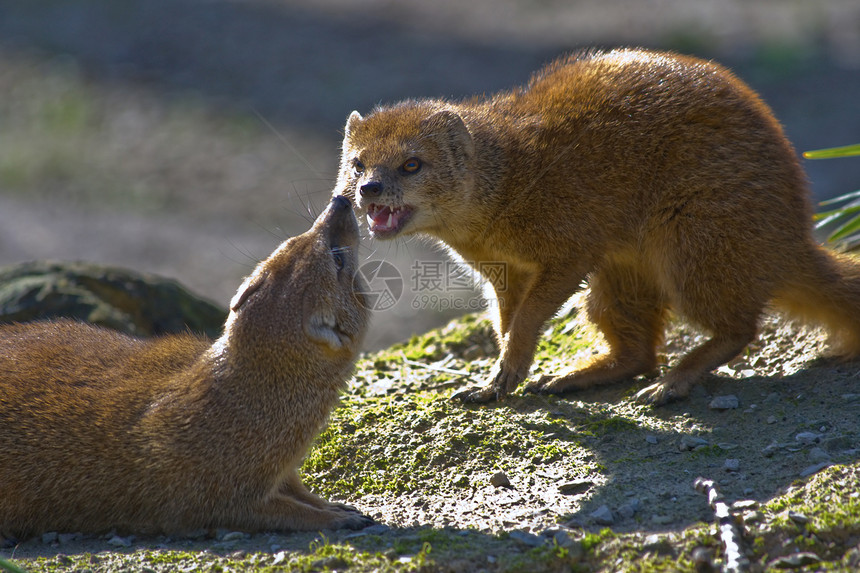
339 222
340 202
372 189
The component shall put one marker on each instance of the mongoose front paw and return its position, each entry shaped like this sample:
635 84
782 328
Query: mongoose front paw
503 381
344 507
658 394
353 520
548 384
473 395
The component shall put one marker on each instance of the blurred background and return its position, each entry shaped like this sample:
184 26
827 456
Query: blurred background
188 138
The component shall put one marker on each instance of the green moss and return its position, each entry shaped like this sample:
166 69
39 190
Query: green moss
458 335
610 425
431 439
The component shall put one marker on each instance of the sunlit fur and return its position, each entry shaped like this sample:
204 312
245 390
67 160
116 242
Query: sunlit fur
662 180
100 430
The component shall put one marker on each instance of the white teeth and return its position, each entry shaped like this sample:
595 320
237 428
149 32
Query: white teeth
390 216
369 219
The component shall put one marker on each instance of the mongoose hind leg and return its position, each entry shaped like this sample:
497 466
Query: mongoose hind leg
294 487
283 512
677 383
630 311
702 290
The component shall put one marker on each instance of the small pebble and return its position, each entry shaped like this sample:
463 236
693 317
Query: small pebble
232 536
691 443
662 519
818 455
118 541
575 487
573 546
744 504
814 469
651 439
732 465
798 517
629 509
794 561
603 515
64 538
652 542
525 538
500 479
727 402
754 516
49 537
808 438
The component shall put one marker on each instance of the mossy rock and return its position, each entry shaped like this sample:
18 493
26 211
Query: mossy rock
135 303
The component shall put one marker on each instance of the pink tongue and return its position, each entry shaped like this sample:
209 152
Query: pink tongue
380 218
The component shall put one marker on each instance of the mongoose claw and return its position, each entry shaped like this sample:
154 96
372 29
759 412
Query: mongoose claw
547 385
502 383
345 507
657 394
355 521
472 395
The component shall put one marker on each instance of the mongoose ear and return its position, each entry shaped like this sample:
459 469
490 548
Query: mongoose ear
451 124
249 286
351 123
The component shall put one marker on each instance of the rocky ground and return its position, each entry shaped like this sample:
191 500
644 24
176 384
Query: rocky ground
591 481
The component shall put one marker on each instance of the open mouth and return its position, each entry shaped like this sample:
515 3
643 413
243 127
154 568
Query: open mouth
385 220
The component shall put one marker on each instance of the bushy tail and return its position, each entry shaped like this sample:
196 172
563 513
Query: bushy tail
826 291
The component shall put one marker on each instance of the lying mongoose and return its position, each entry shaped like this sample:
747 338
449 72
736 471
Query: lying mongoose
661 180
99 430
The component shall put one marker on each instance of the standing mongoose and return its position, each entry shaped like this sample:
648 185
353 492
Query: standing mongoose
662 181
99 430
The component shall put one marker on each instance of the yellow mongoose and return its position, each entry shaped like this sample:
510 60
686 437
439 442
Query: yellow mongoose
661 180
100 430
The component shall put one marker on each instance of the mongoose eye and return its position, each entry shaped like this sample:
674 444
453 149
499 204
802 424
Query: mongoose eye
357 166
338 259
411 165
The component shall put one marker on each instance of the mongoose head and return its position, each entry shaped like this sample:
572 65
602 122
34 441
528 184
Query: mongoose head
306 298
408 168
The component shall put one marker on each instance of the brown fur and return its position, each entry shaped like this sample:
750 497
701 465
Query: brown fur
661 180
100 430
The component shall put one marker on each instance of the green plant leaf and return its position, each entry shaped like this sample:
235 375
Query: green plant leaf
832 152
841 198
9 566
845 230
829 216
